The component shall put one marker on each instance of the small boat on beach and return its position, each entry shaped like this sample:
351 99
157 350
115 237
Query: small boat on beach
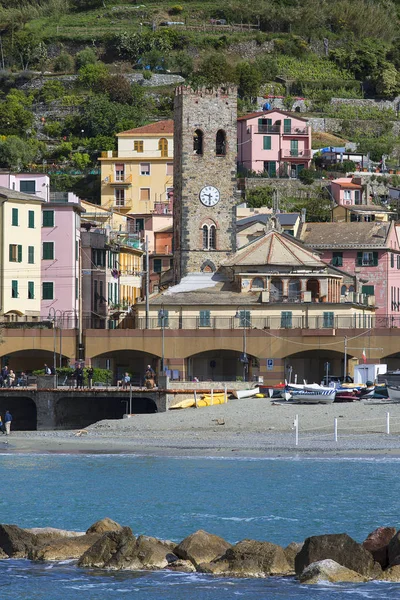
240 394
312 396
394 393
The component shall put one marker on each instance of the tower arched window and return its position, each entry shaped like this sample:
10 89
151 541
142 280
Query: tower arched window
220 143
257 283
209 237
198 142
163 147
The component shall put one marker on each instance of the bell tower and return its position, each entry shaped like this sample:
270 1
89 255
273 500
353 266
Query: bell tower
205 134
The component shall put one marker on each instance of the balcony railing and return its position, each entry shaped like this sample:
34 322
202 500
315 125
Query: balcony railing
301 154
119 180
268 128
293 131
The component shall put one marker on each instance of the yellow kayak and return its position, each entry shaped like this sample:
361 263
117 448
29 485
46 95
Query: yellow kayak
183 404
206 401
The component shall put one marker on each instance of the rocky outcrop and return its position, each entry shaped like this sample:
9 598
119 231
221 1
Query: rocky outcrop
291 552
114 550
329 570
52 533
201 547
249 558
104 525
340 548
16 542
392 574
153 553
66 548
183 566
377 543
393 550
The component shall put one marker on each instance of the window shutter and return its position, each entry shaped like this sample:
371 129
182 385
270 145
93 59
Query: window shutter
204 318
286 319
14 289
19 253
31 255
267 142
10 253
15 217
328 320
359 259
287 125
31 219
375 259
31 290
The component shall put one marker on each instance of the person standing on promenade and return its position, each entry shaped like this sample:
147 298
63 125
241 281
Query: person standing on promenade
11 378
90 377
7 421
79 376
2 428
4 374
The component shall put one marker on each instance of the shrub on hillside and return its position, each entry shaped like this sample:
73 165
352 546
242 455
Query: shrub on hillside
85 57
64 63
175 10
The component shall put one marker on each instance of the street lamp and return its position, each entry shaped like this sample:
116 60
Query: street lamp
162 314
242 315
53 313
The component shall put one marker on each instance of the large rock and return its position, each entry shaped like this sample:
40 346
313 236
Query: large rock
104 525
392 574
153 553
16 542
249 558
339 547
377 543
201 547
182 566
329 570
52 533
114 550
393 549
291 552
65 548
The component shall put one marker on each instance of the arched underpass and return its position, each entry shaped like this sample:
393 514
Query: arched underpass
76 413
311 365
221 365
32 360
23 411
133 362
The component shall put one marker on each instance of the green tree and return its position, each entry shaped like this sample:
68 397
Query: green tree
249 79
51 90
318 206
93 76
216 70
15 117
184 64
17 154
29 49
377 146
87 4
81 160
260 196
64 63
118 89
387 81
101 116
85 57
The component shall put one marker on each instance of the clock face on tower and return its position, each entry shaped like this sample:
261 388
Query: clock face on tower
209 195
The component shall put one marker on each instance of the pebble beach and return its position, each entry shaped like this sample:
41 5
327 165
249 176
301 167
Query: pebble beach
253 426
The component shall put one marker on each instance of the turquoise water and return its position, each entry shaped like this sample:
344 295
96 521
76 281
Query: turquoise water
278 499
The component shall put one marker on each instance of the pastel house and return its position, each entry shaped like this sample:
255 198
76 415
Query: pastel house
274 142
351 205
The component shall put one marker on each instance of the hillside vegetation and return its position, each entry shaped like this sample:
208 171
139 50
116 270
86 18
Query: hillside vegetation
90 53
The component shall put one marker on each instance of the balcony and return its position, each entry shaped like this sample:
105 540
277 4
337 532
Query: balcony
268 128
295 154
294 131
119 180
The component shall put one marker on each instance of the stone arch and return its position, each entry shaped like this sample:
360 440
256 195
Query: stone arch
343 290
198 142
208 234
313 287
294 290
23 410
208 267
220 143
311 364
257 283
222 364
276 289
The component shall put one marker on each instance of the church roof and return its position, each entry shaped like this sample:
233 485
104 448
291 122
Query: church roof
283 218
272 249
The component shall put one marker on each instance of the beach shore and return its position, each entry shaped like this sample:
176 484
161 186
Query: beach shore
255 426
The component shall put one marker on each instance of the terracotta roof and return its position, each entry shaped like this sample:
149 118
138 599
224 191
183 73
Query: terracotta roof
275 249
165 127
270 112
369 208
350 186
345 235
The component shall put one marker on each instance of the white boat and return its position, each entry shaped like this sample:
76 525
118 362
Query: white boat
394 393
246 393
313 396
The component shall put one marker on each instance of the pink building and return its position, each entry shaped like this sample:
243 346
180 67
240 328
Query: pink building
347 191
29 183
274 142
351 205
60 268
368 250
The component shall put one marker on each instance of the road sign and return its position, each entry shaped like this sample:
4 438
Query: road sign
270 364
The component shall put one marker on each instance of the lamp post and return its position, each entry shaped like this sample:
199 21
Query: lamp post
161 315
244 358
53 313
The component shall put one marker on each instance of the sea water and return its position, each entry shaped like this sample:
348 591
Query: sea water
275 499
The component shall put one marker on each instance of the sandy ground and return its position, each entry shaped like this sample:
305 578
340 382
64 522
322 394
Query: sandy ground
254 426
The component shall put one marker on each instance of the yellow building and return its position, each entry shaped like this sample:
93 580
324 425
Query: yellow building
20 244
140 174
